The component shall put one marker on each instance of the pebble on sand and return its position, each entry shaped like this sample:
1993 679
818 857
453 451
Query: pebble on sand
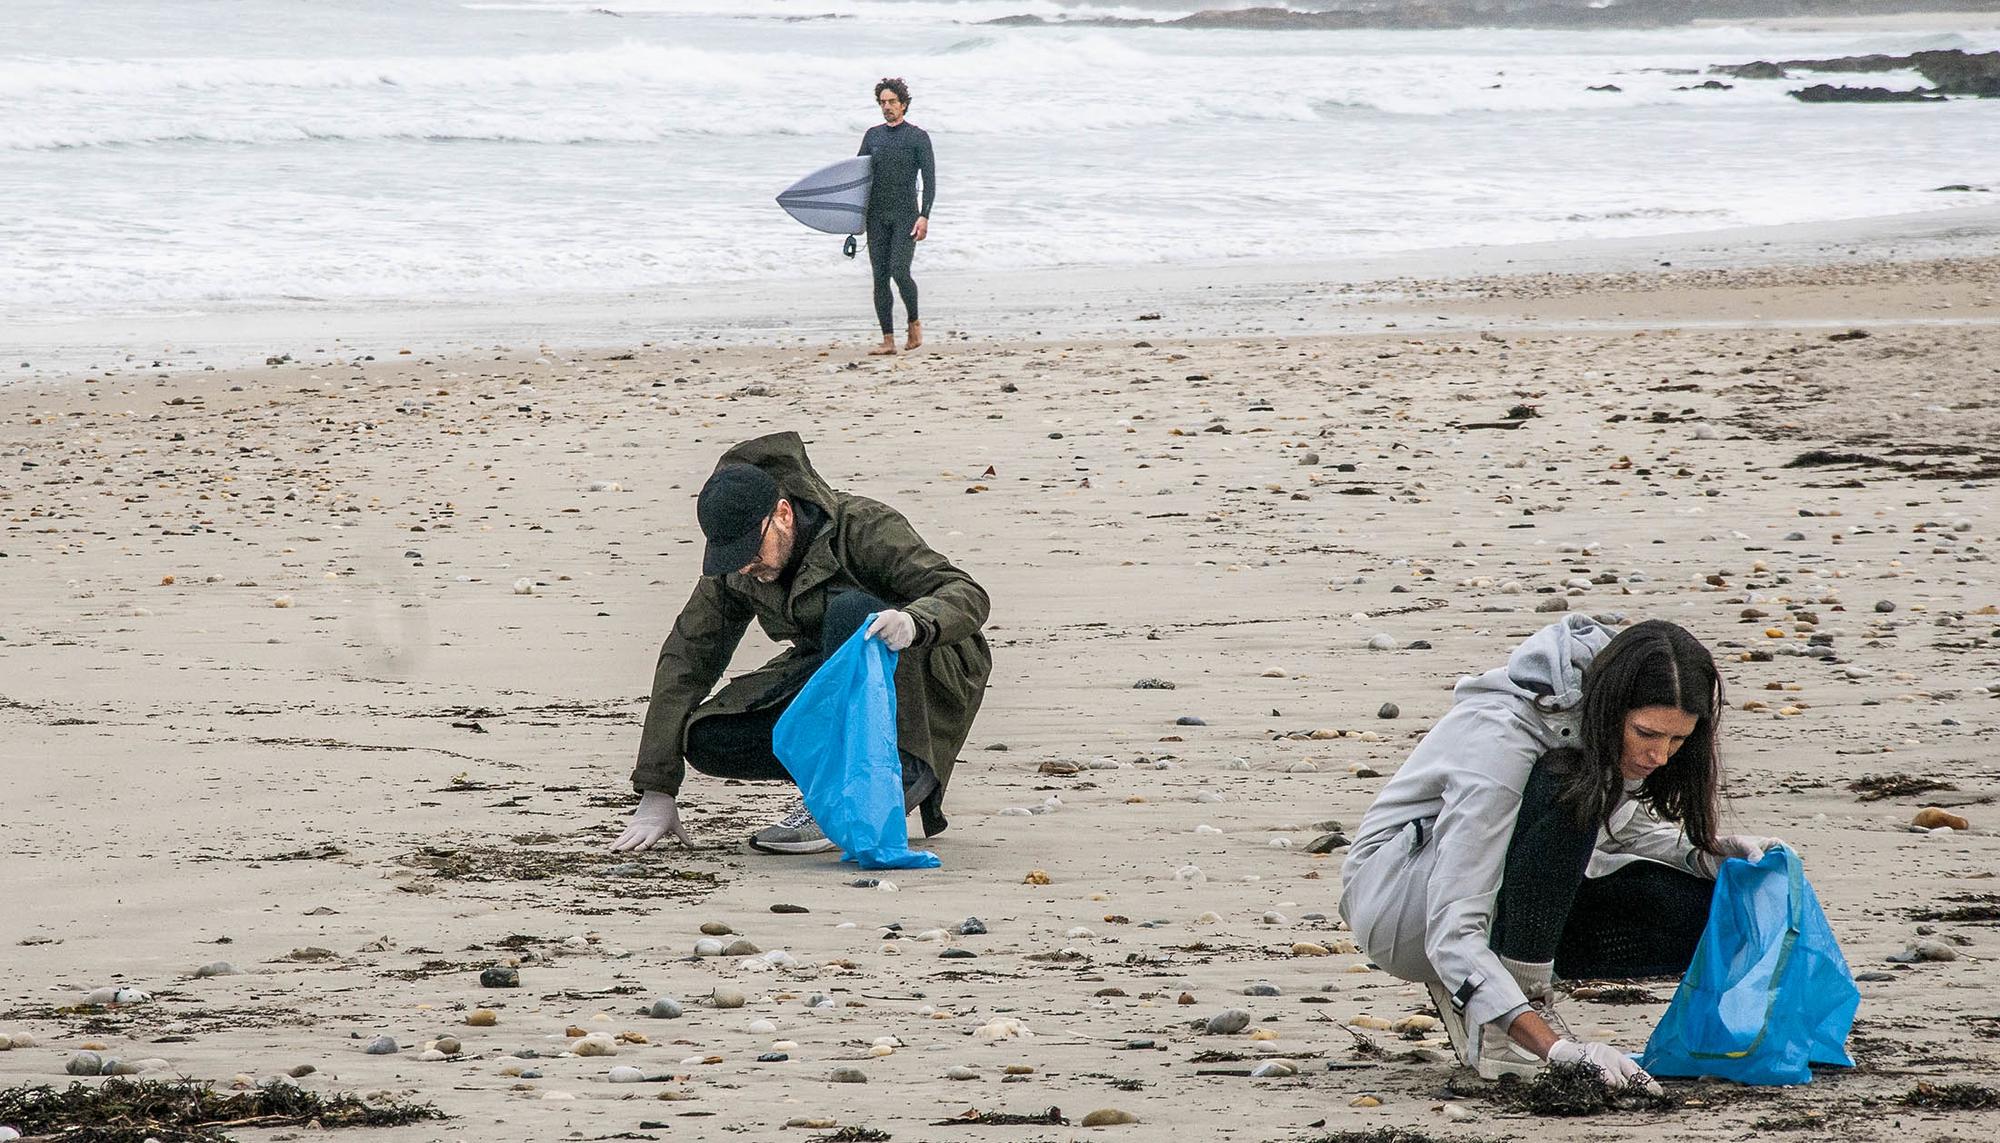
381 1046
1036 877
1227 1022
216 968
1389 710
500 976
725 997
1109 1117
961 1072
716 929
85 1064
482 1018
847 1075
665 1008
1381 641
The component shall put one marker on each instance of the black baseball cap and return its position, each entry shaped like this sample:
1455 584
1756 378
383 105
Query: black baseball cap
732 509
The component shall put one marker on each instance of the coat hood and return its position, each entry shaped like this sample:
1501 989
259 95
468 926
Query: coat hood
1547 668
783 455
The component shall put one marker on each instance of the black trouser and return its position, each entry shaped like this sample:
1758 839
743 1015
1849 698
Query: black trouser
890 249
1642 920
739 745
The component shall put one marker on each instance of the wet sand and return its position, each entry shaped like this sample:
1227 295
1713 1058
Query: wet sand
272 697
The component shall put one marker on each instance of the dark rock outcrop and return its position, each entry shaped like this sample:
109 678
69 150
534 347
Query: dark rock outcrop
1828 93
1951 72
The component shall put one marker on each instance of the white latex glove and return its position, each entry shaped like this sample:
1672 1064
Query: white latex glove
1619 1070
1745 846
658 815
895 629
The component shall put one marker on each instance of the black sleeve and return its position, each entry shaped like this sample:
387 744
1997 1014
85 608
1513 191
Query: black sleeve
865 148
927 163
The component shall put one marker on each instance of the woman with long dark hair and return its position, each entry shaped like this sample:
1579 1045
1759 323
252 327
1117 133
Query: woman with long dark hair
1560 819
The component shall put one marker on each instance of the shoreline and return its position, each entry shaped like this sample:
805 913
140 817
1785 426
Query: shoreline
1098 302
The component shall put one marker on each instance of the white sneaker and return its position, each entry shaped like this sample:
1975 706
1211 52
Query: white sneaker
1453 1021
794 832
1500 1056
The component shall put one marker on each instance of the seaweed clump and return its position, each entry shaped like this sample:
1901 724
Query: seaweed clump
132 1111
1387 1135
1571 1090
1952 1097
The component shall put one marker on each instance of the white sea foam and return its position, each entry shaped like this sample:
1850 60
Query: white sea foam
388 150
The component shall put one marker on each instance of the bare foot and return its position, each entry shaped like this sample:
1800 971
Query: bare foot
916 335
887 347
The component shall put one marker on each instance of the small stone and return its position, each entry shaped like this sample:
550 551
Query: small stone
1885 606
431 1056
500 976
1553 603
773 1057
762 1028
1327 843
595 1044
1152 685
300 1071
1190 875
1019 1069
216 968
85 1064
957 954
726 997
381 1046
1036 877
1273 917
1365 1101
1227 1022
970 927
1874 977
741 947
449 1045
960 1072
524 586
1190 720
716 929
1274 1069
1261 988
1458 1113
482 1018
1109 1117
664 1008
1308 948
1389 710
709 946
1382 642
1931 817
784 908
847 1075
625 1073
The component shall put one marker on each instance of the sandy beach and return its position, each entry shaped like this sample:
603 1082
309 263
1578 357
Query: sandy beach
332 669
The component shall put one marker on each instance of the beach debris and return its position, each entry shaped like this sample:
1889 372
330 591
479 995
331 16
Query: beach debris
1152 685
1932 817
1952 1097
1036 877
1274 1069
1918 951
183 1111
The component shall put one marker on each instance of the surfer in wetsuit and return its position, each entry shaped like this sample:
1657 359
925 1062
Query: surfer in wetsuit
896 223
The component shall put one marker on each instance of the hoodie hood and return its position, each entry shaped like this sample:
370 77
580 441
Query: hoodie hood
1547 668
783 455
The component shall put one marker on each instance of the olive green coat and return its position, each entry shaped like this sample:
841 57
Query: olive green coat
863 545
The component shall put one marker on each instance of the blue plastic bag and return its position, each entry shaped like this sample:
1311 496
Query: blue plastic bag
838 739
1768 993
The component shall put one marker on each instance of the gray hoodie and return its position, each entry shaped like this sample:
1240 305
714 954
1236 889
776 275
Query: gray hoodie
1463 783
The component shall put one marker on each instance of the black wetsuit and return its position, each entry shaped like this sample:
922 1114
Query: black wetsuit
901 153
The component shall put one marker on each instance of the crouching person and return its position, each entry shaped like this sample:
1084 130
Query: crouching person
1559 820
810 565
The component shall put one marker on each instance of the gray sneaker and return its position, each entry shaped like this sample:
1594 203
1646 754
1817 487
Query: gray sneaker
795 832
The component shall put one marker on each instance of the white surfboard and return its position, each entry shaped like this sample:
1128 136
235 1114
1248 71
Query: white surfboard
833 199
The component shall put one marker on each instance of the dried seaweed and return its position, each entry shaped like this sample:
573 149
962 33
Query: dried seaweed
131 1111
1875 787
1053 1117
1952 1097
852 1135
1570 1090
